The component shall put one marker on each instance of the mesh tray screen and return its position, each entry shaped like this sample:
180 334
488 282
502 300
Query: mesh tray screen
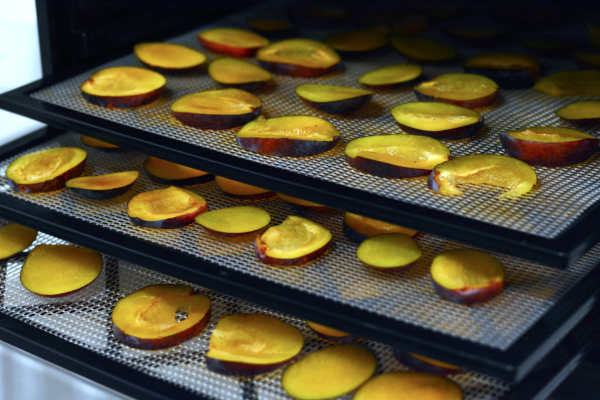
84 319
406 296
546 212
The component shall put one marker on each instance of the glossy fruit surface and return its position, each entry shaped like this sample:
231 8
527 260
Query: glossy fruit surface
357 41
97 143
466 90
571 83
298 57
232 41
234 220
333 99
103 186
168 55
391 75
239 73
14 238
580 111
412 385
357 227
388 252
423 50
509 70
169 173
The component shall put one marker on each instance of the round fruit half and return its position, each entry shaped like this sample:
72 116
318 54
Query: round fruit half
294 136
334 99
396 156
234 220
172 207
217 109
239 73
329 373
357 228
465 90
426 364
252 344
510 71
437 120
571 83
168 55
15 238
491 169
295 241
328 333
303 203
423 50
123 87
170 173
580 111
58 270
357 42
388 252
298 57
390 76
467 276
105 186
412 385
98 144
232 41
46 170
242 190
160 316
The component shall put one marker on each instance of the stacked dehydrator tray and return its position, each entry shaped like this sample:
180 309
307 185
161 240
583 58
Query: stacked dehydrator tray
519 345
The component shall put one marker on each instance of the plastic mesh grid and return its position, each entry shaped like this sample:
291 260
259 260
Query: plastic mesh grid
545 212
84 319
406 296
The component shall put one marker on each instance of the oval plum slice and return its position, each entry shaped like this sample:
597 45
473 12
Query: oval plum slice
571 83
14 238
242 190
390 76
357 42
580 111
423 50
100 187
302 202
510 71
357 227
98 144
426 364
465 90
334 99
389 252
298 57
234 220
412 385
327 332
232 41
238 73
168 55
169 173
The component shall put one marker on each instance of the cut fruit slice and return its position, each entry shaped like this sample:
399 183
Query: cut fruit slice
234 72
334 99
391 76
294 136
551 146
491 169
396 156
303 203
295 241
437 120
357 228
241 189
580 111
510 71
588 60
102 187
15 238
426 364
160 316
252 344
168 55
123 87
327 332
357 42
58 270
170 173
423 50
467 276
412 385
571 83
46 170
269 26
98 144
329 373
233 41
466 90
298 57
389 252
217 109
172 207
234 220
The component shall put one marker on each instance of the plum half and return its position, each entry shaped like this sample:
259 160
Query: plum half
396 156
238 73
311 205
330 372
101 187
580 111
270 26
168 55
327 332
551 146
252 344
170 173
232 41
390 76
570 83
14 238
53 270
295 241
172 207
242 190
437 120
357 227
217 109
98 144
388 252
232 221
357 42
298 57
160 316
46 170
412 385
422 49
334 99
491 169
510 71
426 364
123 87
467 276
293 136
465 90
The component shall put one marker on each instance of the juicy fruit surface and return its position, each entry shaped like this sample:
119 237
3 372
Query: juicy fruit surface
169 170
295 237
44 165
412 386
297 127
234 220
123 81
580 110
391 75
326 330
254 339
421 49
233 37
299 202
503 61
358 41
326 93
571 83
330 372
434 116
100 144
54 270
410 151
160 204
371 227
217 102
304 52
495 170
15 238
458 87
150 313
388 251
466 269
168 55
232 71
104 182
238 188
550 134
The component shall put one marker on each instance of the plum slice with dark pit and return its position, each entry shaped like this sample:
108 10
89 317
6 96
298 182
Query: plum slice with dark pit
510 71
233 221
14 238
393 251
422 49
357 227
101 187
357 42
570 83
390 76
169 173
238 73
298 57
334 99
465 90
580 111
168 56
232 41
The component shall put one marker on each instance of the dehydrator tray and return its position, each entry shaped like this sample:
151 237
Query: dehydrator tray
504 337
